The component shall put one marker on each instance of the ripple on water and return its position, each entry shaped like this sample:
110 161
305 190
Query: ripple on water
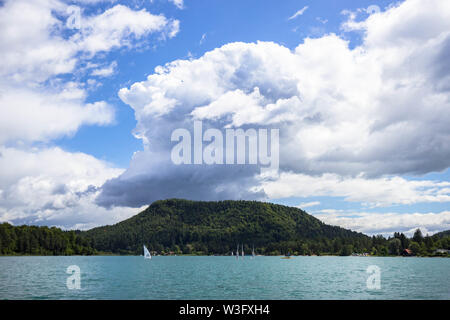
223 278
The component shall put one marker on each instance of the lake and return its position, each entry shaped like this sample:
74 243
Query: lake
193 277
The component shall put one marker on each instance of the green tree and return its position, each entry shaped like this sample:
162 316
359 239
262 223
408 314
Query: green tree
304 250
414 247
383 251
34 240
347 250
418 236
395 246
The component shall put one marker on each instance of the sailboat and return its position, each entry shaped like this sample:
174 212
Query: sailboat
253 252
237 252
147 254
242 251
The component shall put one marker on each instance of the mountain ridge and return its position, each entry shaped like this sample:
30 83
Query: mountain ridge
173 224
176 226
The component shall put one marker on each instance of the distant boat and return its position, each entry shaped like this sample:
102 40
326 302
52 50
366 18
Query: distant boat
253 252
237 252
242 251
147 254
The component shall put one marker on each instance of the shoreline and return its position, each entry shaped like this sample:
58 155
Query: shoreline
199 255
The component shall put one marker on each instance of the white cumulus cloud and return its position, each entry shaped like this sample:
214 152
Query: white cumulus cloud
352 121
45 47
388 223
376 192
29 115
54 187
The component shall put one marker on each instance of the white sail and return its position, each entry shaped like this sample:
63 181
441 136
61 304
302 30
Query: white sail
147 254
237 252
253 252
242 251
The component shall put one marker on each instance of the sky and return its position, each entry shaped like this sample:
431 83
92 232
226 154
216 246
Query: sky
91 91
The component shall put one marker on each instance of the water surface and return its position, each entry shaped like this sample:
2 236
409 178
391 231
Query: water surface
192 277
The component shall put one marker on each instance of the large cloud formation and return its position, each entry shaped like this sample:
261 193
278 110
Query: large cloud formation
52 186
364 115
42 97
38 44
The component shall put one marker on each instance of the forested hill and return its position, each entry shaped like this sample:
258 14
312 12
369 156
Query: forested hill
194 227
442 234
183 226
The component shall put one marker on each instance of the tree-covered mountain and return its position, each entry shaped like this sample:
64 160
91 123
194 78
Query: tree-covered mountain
217 227
198 227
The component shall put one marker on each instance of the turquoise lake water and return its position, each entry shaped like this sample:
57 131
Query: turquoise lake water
191 277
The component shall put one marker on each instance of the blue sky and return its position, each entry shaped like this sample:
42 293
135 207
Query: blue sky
396 175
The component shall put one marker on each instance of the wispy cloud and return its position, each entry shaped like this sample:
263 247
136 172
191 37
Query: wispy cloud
387 223
178 3
203 38
298 13
323 21
106 71
308 204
